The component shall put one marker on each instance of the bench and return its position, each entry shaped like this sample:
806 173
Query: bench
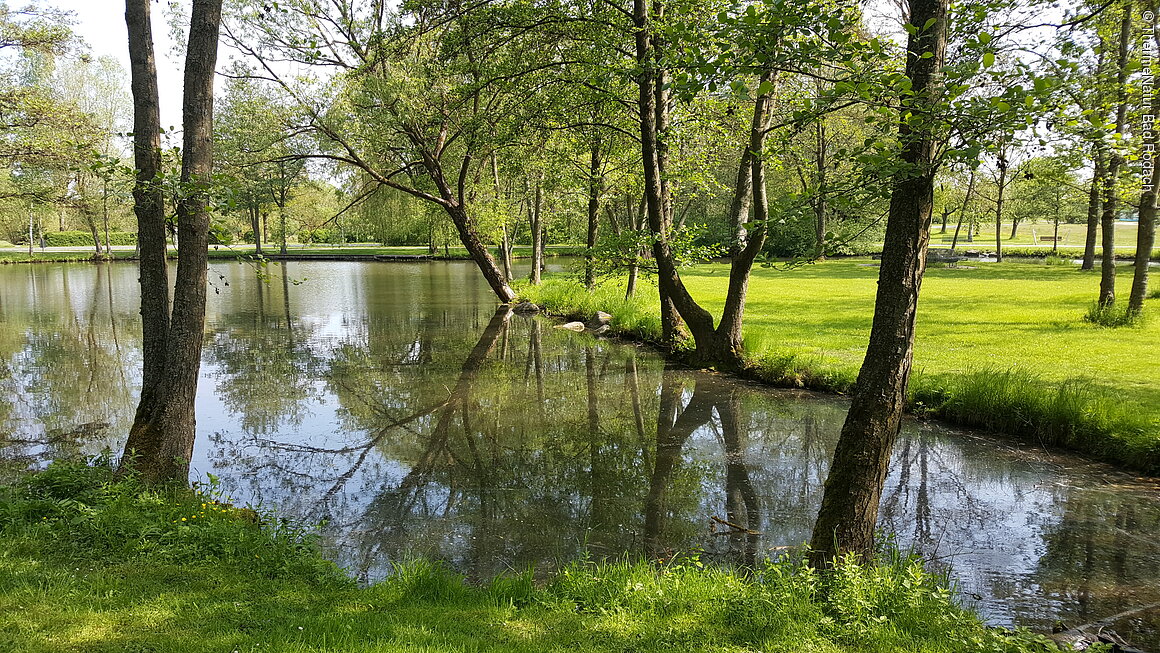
1050 239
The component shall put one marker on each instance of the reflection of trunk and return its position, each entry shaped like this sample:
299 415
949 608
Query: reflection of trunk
160 442
630 380
1111 197
672 433
742 506
601 488
853 488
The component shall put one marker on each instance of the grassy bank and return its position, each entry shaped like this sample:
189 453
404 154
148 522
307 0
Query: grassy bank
999 346
88 564
21 256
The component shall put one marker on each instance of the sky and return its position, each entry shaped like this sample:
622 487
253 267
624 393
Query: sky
101 23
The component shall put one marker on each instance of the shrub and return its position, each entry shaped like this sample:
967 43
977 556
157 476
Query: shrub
85 239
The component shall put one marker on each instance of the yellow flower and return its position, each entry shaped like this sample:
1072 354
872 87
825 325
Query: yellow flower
183 519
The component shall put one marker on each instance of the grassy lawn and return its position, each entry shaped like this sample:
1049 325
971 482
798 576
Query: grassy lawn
1002 346
89 564
1030 234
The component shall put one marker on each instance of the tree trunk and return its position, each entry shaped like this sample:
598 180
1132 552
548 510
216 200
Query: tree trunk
1111 199
999 209
256 226
963 211
166 432
1093 213
595 189
853 487
820 204
1146 228
537 233
1014 228
149 207
739 207
727 343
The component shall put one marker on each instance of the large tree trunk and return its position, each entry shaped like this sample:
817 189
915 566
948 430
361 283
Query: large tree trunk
149 207
167 431
1111 199
853 487
739 207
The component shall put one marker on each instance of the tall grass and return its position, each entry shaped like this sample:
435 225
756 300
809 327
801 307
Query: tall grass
1075 414
1112 317
62 589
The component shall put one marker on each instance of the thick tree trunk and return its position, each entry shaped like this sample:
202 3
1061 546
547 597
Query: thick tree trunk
739 207
1111 199
149 207
853 487
167 431
469 236
1014 228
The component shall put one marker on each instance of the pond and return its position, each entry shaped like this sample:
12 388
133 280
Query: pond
391 402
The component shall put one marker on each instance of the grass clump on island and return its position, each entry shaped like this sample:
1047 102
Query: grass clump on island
998 346
96 564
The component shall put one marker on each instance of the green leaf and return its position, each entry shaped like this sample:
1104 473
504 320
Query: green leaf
984 38
988 59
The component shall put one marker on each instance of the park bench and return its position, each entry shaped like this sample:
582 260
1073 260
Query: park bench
1050 239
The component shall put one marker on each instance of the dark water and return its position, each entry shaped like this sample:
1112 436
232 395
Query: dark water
389 400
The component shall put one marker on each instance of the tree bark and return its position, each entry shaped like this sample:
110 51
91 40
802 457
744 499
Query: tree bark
999 209
537 232
1111 199
595 189
853 488
149 207
963 210
739 207
1093 213
167 431
1146 228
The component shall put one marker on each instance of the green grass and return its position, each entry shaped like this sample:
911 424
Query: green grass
1020 324
89 564
21 256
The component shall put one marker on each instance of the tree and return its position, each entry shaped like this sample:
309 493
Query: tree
160 442
1146 229
853 487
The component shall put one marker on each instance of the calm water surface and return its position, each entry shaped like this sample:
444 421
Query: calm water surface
391 401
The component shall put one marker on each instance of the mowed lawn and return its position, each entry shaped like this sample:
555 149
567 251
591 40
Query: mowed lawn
991 317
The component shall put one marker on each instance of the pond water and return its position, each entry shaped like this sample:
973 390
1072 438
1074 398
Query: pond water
391 401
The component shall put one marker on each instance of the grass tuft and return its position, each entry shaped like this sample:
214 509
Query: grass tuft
1056 260
1112 317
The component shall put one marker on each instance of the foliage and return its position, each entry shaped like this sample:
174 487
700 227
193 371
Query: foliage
85 239
1112 316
